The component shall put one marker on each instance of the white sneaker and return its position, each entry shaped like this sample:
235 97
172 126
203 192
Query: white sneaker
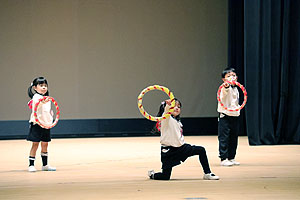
210 176
151 173
234 162
48 168
226 163
31 168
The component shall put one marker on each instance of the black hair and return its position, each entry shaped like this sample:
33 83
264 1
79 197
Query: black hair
227 70
35 82
162 109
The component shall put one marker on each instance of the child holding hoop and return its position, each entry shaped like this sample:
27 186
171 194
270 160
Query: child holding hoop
173 148
38 134
228 120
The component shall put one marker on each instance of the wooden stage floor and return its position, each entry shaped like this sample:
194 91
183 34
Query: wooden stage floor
116 168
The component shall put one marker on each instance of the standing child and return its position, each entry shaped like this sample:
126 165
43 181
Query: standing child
228 120
173 148
38 134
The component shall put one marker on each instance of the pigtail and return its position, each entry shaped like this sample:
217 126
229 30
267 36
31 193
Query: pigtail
161 109
30 93
156 127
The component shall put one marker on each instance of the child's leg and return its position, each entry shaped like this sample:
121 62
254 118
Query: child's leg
198 150
164 175
34 147
223 136
233 138
44 153
32 153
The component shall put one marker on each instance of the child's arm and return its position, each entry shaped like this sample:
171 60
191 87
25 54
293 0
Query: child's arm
168 105
224 90
165 122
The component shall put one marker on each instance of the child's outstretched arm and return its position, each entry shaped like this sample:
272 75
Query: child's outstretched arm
167 107
224 90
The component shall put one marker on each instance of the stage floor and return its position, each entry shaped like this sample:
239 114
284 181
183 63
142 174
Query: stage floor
116 168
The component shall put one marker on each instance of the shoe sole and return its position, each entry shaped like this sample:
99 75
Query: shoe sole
211 179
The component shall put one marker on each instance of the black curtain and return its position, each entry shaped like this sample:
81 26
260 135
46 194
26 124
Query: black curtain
271 67
236 48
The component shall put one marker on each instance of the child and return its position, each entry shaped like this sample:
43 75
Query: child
173 148
38 134
228 120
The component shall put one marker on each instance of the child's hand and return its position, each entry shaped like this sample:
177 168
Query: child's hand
168 102
45 100
226 85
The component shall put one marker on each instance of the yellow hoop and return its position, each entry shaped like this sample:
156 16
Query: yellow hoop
156 87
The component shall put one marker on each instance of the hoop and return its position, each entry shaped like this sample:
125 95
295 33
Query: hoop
57 112
156 87
244 92
158 126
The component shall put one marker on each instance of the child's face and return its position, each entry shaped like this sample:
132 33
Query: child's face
231 76
177 109
41 88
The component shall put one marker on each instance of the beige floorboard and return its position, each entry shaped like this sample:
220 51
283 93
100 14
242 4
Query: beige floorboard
116 168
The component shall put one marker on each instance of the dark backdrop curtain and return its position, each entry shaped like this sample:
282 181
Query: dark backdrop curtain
271 64
236 48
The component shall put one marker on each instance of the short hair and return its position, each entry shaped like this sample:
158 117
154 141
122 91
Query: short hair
227 70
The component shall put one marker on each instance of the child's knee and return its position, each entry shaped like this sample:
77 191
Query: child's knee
200 149
35 144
